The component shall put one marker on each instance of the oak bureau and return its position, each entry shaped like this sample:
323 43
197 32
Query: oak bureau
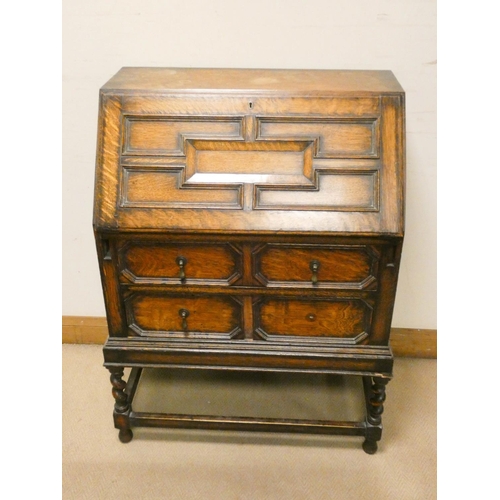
250 220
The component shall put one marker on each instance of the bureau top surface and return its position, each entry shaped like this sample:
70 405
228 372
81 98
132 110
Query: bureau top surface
324 82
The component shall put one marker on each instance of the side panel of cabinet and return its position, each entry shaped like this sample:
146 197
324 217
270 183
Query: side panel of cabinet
113 301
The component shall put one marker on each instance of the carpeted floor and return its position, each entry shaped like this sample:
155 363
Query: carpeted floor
205 465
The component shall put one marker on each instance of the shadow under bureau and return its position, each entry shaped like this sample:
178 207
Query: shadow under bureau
250 221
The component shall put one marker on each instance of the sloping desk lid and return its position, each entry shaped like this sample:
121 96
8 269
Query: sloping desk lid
251 151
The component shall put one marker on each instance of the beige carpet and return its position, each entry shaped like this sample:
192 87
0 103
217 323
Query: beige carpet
187 464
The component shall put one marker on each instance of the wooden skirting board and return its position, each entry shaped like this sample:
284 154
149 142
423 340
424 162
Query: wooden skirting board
407 342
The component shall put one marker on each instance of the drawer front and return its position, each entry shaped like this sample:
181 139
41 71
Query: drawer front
316 266
147 262
344 321
176 316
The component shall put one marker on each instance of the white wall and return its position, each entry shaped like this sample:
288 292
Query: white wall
100 36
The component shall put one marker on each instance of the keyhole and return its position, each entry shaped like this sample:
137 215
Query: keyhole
250 104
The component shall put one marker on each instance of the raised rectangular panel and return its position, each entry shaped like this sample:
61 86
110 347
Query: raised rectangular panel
165 136
156 188
336 138
238 161
337 191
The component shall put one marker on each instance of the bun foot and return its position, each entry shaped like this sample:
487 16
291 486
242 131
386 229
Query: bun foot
370 447
125 435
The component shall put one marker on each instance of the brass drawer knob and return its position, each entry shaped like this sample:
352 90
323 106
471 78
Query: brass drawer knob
184 313
181 262
314 267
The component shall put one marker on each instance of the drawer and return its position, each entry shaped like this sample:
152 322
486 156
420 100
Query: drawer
316 266
166 263
208 317
314 321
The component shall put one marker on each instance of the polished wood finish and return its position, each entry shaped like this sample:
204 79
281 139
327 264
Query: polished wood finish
250 220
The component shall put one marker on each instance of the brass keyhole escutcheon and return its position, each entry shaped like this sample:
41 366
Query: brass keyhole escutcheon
184 313
181 262
314 267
